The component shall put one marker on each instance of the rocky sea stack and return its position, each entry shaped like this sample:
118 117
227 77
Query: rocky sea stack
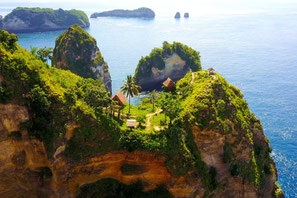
43 19
77 51
177 15
186 15
138 13
172 60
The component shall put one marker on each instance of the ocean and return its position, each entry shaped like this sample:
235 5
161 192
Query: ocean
255 51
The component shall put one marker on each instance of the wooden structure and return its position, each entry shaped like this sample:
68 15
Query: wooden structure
211 71
169 84
132 124
120 99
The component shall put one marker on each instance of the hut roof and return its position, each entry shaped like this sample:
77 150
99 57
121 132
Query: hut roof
131 123
120 98
211 69
169 84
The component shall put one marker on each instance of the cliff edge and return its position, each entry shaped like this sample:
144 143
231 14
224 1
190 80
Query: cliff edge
58 138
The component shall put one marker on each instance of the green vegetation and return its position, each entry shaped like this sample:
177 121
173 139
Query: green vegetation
156 59
55 97
44 54
75 51
111 188
59 17
130 88
58 99
4 93
277 193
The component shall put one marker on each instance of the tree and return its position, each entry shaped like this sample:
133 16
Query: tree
154 95
141 118
171 106
130 88
43 54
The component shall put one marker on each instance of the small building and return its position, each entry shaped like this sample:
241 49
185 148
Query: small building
120 99
132 124
169 84
211 71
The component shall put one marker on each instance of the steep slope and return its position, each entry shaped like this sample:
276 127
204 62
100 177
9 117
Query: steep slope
57 139
172 60
77 51
43 19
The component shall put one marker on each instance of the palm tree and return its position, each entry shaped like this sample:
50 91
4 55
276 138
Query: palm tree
130 88
154 96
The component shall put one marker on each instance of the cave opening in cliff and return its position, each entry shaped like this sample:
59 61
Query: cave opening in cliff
112 188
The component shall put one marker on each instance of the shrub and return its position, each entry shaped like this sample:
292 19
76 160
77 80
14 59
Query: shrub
5 94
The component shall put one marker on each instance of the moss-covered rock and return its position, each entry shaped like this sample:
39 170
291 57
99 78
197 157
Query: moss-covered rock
172 60
77 51
43 19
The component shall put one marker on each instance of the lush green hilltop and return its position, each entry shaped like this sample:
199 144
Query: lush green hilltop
211 145
77 51
172 60
52 95
42 19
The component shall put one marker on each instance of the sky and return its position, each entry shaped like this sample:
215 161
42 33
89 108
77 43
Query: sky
162 7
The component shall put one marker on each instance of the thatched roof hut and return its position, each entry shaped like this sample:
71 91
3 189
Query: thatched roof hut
169 84
132 124
211 71
120 98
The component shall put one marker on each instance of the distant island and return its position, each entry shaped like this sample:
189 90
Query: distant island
138 13
186 15
177 15
22 20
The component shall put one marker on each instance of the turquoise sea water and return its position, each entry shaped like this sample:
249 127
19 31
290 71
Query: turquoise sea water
255 51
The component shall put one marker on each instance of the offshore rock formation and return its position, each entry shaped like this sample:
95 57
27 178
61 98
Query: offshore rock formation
77 51
55 141
177 15
172 60
186 15
42 19
138 13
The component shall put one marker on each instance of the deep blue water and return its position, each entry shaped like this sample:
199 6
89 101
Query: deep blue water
257 52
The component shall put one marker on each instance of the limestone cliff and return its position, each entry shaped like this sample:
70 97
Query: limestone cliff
57 139
43 19
77 51
172 60
137 13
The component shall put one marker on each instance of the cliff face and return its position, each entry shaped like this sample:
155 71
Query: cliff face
172 60
77 51
138 13
57 141
41 20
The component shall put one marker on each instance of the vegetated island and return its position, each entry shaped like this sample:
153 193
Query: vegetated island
137 13
172 60
77 51
22 20
61 137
